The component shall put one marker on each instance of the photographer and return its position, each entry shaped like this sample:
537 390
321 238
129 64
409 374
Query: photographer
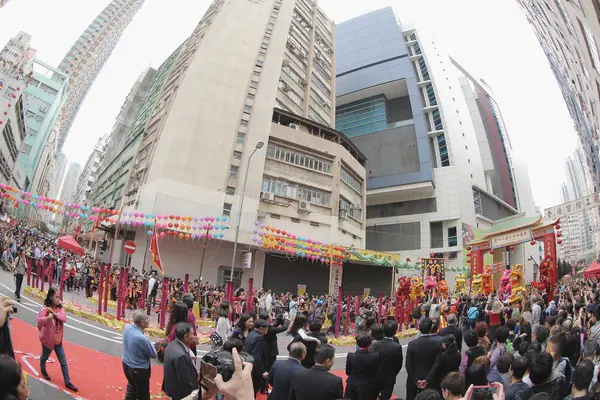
6 308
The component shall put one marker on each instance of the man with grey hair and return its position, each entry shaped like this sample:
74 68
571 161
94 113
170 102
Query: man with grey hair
453 330
591 350
137 352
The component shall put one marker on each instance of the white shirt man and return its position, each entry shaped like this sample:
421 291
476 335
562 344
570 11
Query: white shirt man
151 283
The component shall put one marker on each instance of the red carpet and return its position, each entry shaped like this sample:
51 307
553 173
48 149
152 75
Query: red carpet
97 375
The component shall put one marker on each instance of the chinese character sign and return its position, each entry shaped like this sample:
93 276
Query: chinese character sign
510 238
573 207
335 278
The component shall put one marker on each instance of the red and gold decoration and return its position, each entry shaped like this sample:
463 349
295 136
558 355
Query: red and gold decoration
487 284
416 289
442 289
476 285
430 283
505 285
517 284
434 267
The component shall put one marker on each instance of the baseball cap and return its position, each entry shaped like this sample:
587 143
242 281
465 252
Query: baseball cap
261 323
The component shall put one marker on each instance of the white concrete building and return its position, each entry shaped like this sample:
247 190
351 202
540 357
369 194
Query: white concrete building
88 175
16 60
69 185
216 108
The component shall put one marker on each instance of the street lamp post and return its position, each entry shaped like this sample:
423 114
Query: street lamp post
230 284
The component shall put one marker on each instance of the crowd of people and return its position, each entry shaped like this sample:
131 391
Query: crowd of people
546 346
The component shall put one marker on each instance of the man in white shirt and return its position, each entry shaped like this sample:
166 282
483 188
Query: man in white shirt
536 311
269 301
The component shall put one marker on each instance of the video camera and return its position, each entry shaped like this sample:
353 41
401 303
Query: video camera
221 362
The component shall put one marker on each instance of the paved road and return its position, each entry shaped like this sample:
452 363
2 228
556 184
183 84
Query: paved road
109 341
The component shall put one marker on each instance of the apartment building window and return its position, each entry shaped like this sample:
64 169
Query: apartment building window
436 230
241 137
237 155
230 190
437 120
353 182
424 70
233 171
227 209
452 237
295 157
247 109
32 132
7 134
591 45
9 92
285 188
444 157
346 207
48 89
25 149
253 84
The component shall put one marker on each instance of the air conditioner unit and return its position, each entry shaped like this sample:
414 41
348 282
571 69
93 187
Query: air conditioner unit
343 214
303 206
303 82
294 126
267 196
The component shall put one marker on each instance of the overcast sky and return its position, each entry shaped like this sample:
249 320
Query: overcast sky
491 38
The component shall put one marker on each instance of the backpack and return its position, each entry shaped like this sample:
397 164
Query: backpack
568 371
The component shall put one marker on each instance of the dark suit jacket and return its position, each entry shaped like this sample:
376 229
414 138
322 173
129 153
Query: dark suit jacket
309 360
316 383
421 355
280 377
271 338
391 358
256 346
180 375
454 331
362 368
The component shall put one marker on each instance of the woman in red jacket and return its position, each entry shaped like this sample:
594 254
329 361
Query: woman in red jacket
51 323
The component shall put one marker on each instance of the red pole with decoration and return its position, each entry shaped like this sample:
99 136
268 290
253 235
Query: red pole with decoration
107 287
338 313
163 302
348 308
550 250
43 261
100 289
62 276
28 271
51 273
186 282
250 300
142 301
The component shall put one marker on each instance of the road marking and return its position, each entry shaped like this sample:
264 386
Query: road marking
74 327
71 318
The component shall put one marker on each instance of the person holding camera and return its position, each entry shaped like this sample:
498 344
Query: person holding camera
51 323
180 375
7 307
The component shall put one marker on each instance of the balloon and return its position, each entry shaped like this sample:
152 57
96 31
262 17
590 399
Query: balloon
224 219
149 233
187 236
162 235
221 235
254 239
180 236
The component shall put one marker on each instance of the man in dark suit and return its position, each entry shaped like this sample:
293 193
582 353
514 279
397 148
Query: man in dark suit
180 374
317 383
315 331
391 360
282 372
256 346
454 330
420 358
271 336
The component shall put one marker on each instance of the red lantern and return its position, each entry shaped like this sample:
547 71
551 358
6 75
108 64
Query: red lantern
14 96
9 105
533 242
558 234
170 225
468 260
114 212
407 259
492 251
559 241
177 217
469 248
5 112
171 217
511 248
18 89
469 254
557 226
176 225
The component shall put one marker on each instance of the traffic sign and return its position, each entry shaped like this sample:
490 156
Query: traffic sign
129 247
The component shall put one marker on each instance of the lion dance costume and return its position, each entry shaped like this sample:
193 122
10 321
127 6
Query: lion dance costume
430 283
487 285
476 285
517 283
460 284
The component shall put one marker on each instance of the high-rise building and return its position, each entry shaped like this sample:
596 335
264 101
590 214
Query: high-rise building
121 145
246 116
70 183
424 125
59 175
569 33
45 97
3 3
87 56
88 174
16 60
580 239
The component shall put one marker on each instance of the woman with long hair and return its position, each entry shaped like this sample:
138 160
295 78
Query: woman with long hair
298 329
179 313
14 385
51 323
223 329
449 359
243 327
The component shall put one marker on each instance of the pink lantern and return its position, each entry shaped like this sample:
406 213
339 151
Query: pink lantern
162 235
